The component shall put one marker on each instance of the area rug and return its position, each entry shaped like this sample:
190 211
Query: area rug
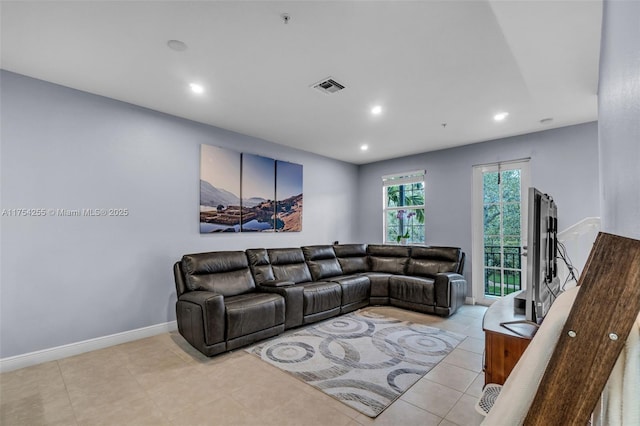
362 359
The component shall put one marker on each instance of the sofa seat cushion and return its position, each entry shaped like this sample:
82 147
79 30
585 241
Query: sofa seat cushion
412 289
252 312
321 296
355 288
379 284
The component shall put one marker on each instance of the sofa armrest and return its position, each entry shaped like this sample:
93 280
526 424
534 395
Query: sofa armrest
451 291
201 317
277 283
293 300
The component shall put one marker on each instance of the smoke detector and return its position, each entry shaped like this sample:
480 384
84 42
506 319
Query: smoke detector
328 86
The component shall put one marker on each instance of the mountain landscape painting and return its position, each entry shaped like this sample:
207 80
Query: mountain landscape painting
288 197
220 207
242 192
258 187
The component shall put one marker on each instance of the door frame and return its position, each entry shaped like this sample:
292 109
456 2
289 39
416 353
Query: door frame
477 225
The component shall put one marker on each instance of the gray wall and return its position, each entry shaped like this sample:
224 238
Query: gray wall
69 279
619 118
564 163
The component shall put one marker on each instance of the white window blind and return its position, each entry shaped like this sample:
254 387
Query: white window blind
403 178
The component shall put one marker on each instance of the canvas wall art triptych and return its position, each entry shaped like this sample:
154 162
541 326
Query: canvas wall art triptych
242 192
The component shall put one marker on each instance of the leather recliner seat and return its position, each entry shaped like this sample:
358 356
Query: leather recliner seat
218 308
324 265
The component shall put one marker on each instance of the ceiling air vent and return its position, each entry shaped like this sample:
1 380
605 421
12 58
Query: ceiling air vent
328 86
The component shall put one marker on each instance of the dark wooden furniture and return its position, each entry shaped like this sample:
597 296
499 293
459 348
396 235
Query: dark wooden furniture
503 346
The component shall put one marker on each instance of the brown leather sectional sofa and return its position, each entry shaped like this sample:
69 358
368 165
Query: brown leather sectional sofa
229 299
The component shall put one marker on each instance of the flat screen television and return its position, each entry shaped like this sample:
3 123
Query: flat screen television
543 283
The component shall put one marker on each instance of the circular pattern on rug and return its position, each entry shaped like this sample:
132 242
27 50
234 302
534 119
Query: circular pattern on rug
350 355
391 377
290 352
418 341
425 344
347 327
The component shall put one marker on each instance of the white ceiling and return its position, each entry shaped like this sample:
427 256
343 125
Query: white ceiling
425 62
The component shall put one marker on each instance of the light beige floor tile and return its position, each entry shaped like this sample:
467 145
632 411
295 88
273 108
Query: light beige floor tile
331 402
465 359
464 413
184 350
476 311
42 384
308 410
37 409
453 326
185 394
224 411
463 320
146 346
261 399
100 361
162 360
433 397
472 344
95 378
401 413
98 375
139 412
474 330
242 372
446 422
154 378
26 381
226 358
475 389
452 376
91 398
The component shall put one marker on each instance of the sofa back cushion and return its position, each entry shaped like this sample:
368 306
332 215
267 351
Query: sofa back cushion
288 264
223 272
352 257
322 262
429 261
260 265
387 258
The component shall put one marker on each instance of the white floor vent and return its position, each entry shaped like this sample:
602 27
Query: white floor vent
328 86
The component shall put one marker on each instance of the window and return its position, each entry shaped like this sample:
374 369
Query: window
403 204
499 219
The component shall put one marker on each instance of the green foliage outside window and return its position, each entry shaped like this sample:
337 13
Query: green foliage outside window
404 213
502 239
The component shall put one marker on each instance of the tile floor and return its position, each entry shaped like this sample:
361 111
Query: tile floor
161 380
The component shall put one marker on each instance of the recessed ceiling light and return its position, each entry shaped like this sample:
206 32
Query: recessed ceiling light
196 88
364 147
376 110
500 116
177 45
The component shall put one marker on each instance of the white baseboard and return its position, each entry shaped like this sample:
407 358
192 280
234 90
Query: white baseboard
59 352
470 301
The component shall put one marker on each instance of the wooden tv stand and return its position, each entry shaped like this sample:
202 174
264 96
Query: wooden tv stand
503 346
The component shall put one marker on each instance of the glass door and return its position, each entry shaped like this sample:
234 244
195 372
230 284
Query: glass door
499 229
